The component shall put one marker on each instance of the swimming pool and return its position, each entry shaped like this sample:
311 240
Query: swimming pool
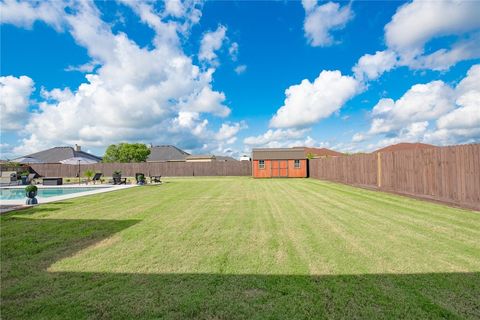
19 193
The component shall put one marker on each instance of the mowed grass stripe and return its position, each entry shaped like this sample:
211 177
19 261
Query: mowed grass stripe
414 236
240 248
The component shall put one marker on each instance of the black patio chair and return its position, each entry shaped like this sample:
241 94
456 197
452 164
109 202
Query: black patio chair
118 181
96 177
155 179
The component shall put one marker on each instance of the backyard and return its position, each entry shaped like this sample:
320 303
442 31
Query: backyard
240 248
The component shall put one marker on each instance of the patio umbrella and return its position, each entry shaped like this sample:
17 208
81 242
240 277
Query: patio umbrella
27 160
79 161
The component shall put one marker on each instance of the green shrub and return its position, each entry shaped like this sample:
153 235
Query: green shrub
31 188
89 174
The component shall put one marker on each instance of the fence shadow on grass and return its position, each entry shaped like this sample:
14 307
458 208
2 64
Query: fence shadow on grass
30 246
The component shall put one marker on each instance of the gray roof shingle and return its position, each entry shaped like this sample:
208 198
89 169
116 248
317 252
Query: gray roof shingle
166 153
225 158
57 154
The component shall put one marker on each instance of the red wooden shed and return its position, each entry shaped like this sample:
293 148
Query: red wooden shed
279 163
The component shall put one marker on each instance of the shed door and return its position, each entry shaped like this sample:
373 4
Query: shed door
279 168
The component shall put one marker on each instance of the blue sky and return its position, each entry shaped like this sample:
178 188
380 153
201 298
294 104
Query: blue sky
223 77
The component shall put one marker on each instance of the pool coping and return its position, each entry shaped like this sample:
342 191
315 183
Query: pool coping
102 188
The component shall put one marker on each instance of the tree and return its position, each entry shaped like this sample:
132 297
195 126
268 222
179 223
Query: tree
310 156
126 152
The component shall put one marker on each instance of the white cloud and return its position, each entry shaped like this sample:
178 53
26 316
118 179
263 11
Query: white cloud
321 20
416 23
228 131
468 99
433 113
280 138
175 8
233 51
358 137
240 69
86 67
145 94
307 102
211 42
370 66
421 102
25 13
14 101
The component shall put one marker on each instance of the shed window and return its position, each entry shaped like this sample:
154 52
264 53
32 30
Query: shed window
297 164
261 164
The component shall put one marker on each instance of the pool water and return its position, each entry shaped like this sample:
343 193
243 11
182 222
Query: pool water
19 193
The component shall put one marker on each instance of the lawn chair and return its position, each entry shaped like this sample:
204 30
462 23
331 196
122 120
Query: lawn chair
96 177
30 178
118 181
155 179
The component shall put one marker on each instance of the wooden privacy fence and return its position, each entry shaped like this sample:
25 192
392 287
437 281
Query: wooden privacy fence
168 169
448 174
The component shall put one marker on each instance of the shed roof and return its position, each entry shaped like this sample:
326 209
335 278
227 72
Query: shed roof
57 154
278 154
166 153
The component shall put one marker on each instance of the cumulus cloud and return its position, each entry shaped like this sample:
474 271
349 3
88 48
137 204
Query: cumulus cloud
434 113
371 66
211 42
240 69
84 68
228 132
411 30
415 24
14 101
421 102
321 20
307 103
25 13
233 51
280 138
145 94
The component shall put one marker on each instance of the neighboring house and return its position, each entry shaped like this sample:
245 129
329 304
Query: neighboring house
405 146
279 162
200 158
321 152
169 153
57 154
245 158
224 158
166 153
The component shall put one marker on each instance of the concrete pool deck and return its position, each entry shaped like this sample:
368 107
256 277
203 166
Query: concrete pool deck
101 188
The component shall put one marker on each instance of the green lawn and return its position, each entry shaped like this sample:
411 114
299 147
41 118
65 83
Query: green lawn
239 248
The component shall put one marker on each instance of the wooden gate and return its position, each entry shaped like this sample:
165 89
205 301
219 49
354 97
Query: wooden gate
280 168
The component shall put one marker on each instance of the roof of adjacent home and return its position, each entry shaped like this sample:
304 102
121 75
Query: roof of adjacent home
57 154
278 154
322 152
200 156
166 153
405 146
225 158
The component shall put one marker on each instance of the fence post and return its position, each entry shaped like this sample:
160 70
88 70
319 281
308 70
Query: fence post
379 169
